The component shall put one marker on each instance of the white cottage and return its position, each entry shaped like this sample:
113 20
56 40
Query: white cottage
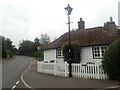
93 42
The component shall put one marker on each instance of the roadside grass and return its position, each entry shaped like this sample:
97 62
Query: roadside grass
0 60
4 60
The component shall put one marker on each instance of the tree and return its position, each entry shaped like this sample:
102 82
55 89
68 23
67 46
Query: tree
0 47
38 52
10 48
36 44
111 61
7 47
44 40
26 47
30 48
41 43
4 49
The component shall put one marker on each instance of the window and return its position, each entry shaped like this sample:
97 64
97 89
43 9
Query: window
103 50
99 51
59 52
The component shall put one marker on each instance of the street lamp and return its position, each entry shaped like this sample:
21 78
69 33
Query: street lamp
68 11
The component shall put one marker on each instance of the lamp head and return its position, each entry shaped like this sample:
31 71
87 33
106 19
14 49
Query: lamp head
68 9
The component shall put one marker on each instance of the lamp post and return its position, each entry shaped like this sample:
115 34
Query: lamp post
69 10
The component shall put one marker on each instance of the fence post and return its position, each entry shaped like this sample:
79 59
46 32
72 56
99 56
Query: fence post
39 66
55 67
98 69
65 69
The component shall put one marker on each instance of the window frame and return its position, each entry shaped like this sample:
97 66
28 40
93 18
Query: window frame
59 53
100 51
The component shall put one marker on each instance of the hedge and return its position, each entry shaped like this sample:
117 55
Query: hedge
111 61
75 52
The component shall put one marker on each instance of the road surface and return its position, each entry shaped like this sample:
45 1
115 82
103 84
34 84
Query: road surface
12 70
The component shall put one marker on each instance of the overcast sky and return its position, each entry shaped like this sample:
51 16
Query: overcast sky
28 19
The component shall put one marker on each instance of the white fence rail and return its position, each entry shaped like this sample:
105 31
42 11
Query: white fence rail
93 70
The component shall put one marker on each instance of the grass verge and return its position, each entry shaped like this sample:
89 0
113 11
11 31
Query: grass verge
4 60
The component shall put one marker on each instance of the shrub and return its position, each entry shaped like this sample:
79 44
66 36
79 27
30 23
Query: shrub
111 61
4 53
11 54
39 55
75 52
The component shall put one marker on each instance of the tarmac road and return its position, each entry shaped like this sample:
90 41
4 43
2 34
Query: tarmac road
12 70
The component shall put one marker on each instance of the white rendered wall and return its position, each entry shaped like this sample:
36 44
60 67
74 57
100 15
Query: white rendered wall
49 55
87 55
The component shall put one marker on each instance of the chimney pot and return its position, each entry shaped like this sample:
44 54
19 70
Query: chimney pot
111 19
80 19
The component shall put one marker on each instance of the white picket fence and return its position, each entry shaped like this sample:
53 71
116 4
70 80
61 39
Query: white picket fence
93 70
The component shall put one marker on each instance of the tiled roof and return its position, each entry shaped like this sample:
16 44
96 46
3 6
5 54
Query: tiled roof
87 37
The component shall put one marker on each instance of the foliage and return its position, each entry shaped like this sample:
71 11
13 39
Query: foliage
26 48
75 52
7 48
36 44
41 43
35 48
39 54
44 40
111 60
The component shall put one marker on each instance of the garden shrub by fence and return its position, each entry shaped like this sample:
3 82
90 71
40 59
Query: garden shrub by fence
82 70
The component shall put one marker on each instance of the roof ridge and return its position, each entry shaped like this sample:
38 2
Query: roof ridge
94 28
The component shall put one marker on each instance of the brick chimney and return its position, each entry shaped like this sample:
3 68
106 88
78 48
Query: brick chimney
81 24
110 25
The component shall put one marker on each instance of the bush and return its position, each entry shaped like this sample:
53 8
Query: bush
75 52
111 61
4 53
39 55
